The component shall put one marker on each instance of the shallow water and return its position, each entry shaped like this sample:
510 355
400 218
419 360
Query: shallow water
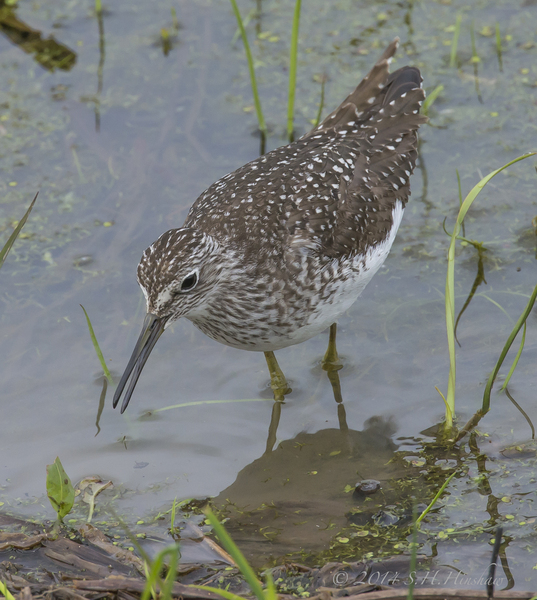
168 127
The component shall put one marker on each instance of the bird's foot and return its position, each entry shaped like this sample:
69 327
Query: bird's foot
278 383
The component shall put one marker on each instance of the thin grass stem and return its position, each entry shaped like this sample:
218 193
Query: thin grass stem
11 240
486 396
455 42
253 81
517 357
518 326
450 286
236 554
292 70
97 348
460 200
200 402
429 101
245 22
521 411
433 501
321 103
475 57
175 20
98 7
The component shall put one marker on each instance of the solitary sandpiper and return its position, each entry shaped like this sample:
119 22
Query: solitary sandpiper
275 252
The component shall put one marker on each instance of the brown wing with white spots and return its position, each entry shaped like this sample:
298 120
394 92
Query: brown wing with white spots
371 161
332 191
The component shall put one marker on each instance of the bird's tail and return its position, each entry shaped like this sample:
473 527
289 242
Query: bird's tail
380 93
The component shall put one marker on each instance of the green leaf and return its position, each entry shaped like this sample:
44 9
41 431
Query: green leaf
5 250
98 351
60 490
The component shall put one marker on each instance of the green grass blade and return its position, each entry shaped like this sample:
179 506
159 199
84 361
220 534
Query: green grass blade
433 501
321 103
224 593
460 199
200 402
518 326
245 22
7 247
5 592
292 70
98 349
515 362
429 101
475 57
522 412
496 304
253 81
236 554
450 285
455 42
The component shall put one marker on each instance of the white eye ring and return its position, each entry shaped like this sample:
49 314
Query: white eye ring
190 281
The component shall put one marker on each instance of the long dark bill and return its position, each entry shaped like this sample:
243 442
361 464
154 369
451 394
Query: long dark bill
152 329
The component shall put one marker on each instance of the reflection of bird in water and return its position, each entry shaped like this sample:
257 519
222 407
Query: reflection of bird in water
273 253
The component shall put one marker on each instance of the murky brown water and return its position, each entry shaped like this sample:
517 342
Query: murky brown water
168 127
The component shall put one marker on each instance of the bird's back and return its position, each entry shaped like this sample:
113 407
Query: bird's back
333 191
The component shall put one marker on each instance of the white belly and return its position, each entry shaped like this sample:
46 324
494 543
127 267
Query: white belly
361 270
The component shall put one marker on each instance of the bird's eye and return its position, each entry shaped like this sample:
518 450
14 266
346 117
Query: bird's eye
189 282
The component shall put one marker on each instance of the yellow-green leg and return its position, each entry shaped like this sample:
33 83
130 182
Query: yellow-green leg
278 383
331 364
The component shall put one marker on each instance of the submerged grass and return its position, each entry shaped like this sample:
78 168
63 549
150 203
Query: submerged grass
9 244
450 288
455 42
253 81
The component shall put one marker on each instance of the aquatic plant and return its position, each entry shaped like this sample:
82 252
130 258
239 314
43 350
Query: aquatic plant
292 70
11 240
60 490
450 288
97 348
253 81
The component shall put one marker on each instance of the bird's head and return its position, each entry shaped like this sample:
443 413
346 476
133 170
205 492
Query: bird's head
178 274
